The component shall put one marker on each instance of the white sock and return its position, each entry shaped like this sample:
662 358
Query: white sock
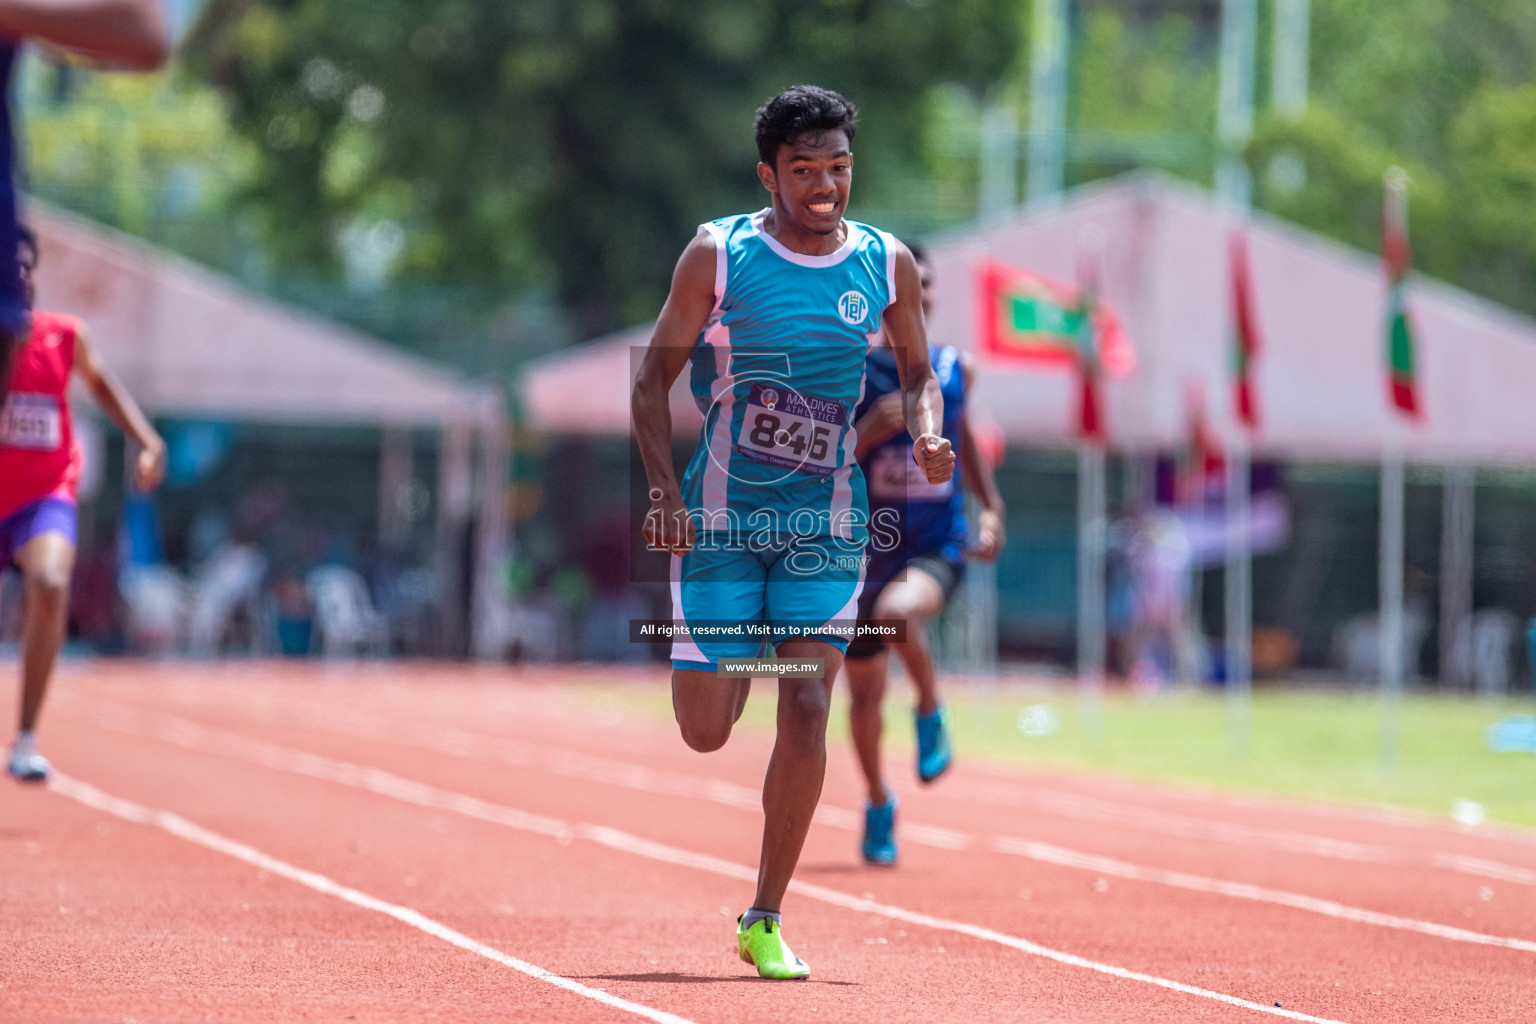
25 745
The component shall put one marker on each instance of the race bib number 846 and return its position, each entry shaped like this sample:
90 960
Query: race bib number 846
791 431
32 422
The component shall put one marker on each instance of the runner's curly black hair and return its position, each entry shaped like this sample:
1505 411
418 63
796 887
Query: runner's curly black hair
797 110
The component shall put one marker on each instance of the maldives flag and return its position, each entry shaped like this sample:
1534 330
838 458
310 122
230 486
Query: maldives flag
1245 336
1401 368
1027 318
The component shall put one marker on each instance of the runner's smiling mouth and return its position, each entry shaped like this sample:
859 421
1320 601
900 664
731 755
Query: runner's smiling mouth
823 208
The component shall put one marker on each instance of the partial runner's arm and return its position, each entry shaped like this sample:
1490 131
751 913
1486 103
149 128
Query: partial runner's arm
881 421
687 310
977 473
118 404
124 33
922 402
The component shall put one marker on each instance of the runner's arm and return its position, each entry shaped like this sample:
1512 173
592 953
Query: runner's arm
922 402
980 481
880 422
126 33
119 405
687 310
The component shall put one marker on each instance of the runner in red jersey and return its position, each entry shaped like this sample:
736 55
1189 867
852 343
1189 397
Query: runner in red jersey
39 475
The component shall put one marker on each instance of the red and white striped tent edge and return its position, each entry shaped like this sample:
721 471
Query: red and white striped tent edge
1321 379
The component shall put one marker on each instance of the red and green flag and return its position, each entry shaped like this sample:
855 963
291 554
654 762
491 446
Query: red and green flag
1245 335
1402 366
1026 318
1203 464
1090 417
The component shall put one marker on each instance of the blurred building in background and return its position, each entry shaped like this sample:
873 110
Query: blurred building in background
325 492
1326 423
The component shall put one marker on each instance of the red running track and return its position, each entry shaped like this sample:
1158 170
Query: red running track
384 843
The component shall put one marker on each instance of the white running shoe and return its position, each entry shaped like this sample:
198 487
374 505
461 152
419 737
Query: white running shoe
26 764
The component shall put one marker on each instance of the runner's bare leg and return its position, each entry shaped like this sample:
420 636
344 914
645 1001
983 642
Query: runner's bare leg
866 721
46 561
917 600
796 770
706 707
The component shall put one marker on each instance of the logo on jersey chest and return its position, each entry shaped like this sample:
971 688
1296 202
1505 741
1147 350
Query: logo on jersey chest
853 307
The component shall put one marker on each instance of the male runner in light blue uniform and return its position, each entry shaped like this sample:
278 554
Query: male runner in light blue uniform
773 312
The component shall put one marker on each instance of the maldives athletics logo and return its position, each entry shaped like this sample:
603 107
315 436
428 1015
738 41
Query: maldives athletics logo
853 307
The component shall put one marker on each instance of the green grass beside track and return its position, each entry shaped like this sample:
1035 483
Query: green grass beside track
1312 744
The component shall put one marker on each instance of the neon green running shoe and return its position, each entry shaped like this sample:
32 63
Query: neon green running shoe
763 946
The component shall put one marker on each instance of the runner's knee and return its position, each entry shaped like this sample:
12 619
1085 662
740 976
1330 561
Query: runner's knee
805 725
865 689
903 603
48 587
703 729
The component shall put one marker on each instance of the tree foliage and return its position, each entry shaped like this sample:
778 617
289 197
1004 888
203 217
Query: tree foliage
1443 89
575 141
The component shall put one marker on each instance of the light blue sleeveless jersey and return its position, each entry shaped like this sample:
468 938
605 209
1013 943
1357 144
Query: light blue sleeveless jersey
777 372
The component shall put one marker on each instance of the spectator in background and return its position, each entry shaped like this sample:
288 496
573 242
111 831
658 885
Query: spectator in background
1159 561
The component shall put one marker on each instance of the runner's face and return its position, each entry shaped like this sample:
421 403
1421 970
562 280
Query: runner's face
811 178
925 275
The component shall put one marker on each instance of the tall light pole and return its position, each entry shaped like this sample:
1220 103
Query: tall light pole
1234 127
1049 36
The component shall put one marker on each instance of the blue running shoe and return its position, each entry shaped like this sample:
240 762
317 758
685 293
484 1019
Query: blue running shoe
933 753
880 832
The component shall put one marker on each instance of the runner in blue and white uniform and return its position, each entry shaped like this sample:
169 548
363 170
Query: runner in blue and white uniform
916 560
771 314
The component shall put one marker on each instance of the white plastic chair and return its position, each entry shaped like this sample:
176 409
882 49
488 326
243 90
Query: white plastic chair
344 613
229 579
157 601
1493 636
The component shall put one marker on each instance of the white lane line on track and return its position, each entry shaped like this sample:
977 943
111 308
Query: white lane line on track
1048 854
1092 809
177 826
195 737
573 765
186 733
459 742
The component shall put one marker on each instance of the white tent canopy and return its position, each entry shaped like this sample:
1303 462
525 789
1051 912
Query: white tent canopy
1321 377
187 342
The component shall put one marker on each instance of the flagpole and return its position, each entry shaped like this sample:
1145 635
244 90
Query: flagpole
1234 127
1092 524
1091 534
1405 400
1457 539
1239 598
1391 631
